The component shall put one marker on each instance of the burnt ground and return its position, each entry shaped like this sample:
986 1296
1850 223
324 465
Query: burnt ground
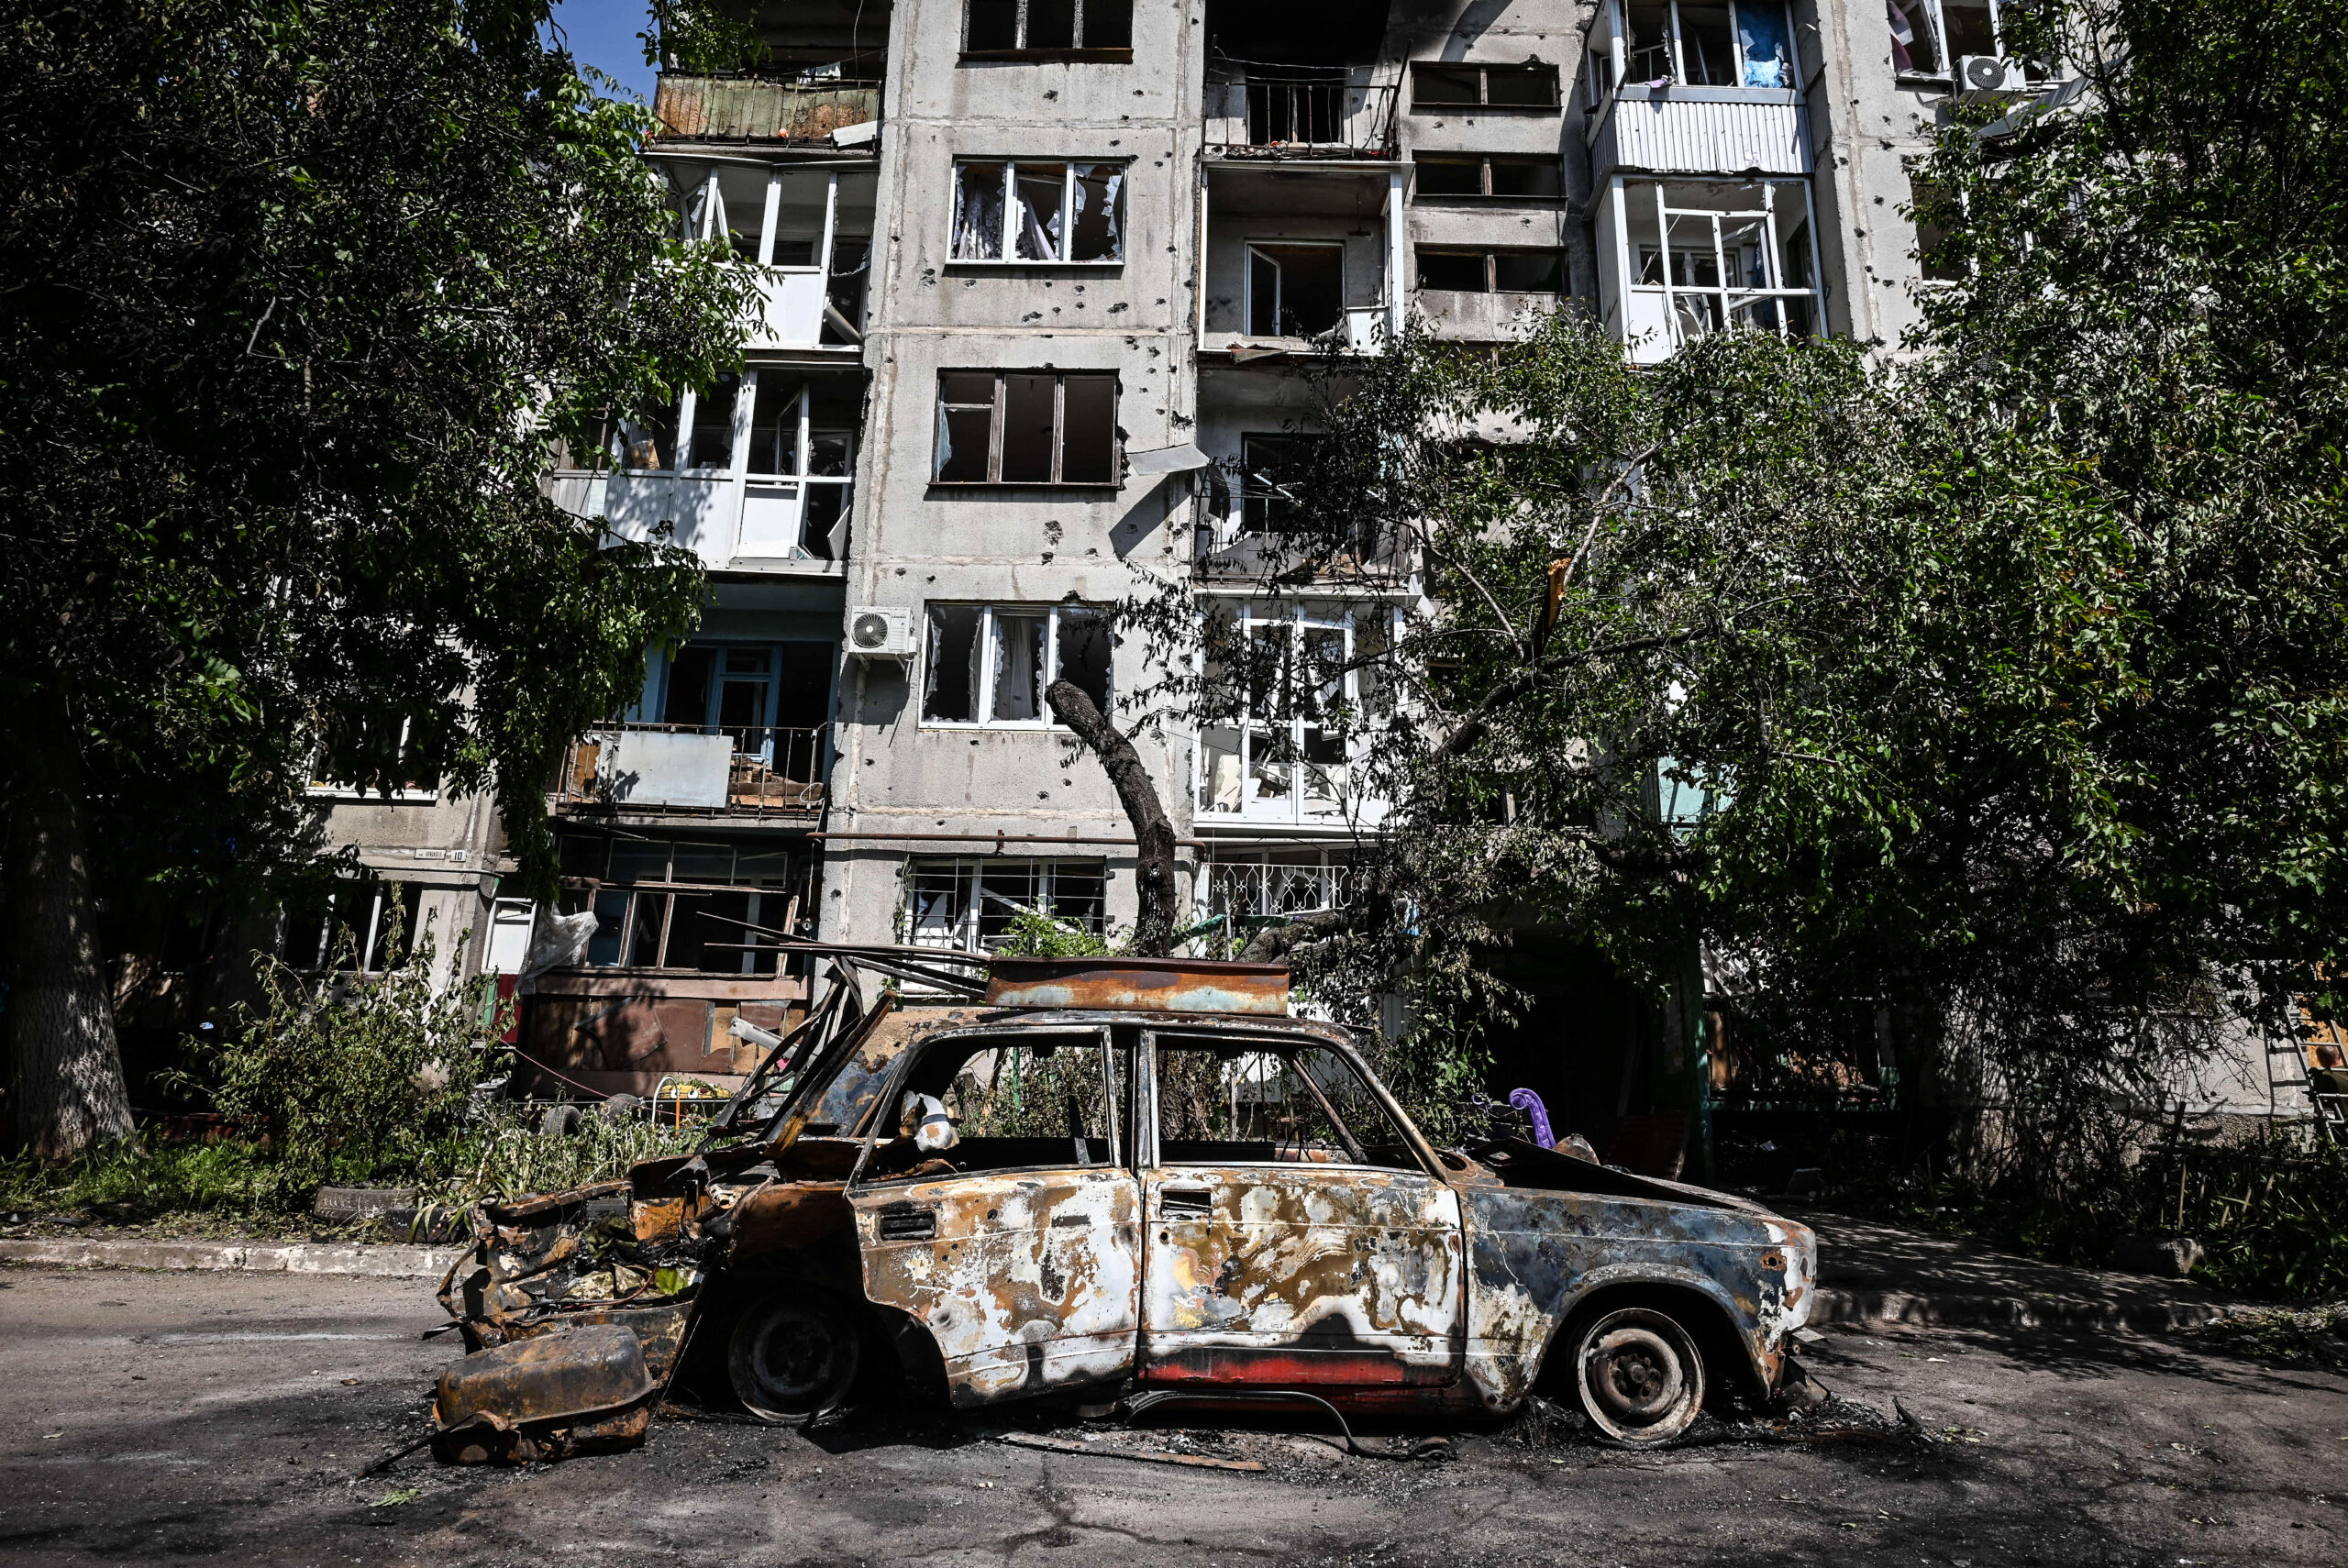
148 1418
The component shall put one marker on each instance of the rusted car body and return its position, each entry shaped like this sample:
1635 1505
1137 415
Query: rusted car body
1103 1200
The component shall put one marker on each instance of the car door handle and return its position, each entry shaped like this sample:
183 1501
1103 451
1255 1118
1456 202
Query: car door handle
1184 1200
908 1222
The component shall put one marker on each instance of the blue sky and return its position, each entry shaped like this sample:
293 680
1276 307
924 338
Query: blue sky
601 33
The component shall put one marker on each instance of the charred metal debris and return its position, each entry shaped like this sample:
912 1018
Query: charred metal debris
1120 1183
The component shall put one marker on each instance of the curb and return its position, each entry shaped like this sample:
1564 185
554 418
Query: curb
375 1259
1830 1305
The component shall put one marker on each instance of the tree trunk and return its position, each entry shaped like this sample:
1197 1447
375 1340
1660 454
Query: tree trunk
66 1095
1153 832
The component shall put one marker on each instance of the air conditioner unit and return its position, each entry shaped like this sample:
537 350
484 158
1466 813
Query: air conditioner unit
877 633
1988 76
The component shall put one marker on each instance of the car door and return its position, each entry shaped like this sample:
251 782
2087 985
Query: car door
1023 1263
1273 1261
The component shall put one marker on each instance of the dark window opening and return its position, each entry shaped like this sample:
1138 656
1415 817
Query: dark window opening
1295 291
1461 176
1027 427
1048 27
1528 86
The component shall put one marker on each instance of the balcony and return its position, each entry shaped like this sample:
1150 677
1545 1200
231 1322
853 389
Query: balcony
712 772
1330 119
755 473
1674 129
746 108
1682 259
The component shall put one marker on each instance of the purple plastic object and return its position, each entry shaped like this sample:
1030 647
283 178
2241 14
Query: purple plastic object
1527 1100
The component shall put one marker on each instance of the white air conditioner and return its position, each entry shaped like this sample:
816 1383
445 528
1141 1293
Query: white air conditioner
1988 76
877 633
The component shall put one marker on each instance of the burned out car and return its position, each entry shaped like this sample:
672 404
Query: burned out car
1128 1176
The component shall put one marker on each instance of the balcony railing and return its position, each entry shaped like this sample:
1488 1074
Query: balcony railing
1701 130
1300 119
763 771
746 108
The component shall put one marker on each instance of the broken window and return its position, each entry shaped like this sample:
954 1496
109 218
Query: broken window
1027 427
1937 260
361 925
1707 256
1745 43
1223 1103
679 905
1047 27
1528 86
969 904
1492 272
988 664
1038 212
1295 290
713 425
1271 470
1494 176
1915 41
801 466
379 761
1279 749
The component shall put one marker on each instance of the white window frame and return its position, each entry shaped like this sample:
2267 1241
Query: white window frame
1736 45
970 873
1728 299
982 692
802 457
1247 310
1007 242
1298 619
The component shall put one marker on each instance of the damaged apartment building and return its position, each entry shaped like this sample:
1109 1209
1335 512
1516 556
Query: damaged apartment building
1036 278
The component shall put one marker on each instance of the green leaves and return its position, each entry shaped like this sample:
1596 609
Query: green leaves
302 287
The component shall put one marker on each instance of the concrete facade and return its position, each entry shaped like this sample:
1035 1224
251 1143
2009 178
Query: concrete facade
1027 264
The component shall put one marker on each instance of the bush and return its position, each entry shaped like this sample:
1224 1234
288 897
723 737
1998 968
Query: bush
354 1076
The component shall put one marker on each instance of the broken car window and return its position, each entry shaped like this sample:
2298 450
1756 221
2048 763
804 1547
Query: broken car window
1046 1102
1220 1103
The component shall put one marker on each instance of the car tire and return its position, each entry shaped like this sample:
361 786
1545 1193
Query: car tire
793 1356
1639 1376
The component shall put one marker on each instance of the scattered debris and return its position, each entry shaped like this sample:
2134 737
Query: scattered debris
395 1497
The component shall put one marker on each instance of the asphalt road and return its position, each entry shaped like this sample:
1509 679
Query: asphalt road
148 1418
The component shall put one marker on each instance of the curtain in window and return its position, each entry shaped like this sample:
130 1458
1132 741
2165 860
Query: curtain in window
1019 641
978 211
1768 54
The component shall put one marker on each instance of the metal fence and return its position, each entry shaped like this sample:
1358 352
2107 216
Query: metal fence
1302 119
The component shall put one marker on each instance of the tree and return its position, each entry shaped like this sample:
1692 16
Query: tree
1993 698
298 294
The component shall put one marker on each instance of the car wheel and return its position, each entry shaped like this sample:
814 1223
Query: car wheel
1639 1376
794 1357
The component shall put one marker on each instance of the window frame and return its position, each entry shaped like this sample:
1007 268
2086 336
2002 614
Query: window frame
1484 162
1079 53
1490 255
1298 619
994 480
1421 70
1007 241
1262 245
970 872
983 693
